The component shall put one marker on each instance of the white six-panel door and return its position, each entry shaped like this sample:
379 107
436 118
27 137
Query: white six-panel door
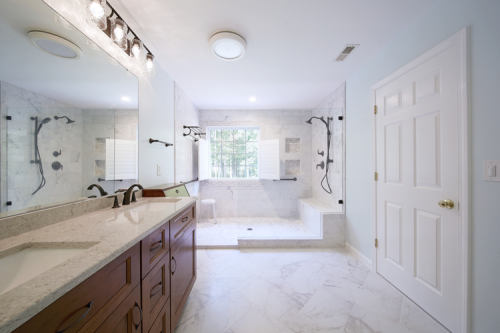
417 161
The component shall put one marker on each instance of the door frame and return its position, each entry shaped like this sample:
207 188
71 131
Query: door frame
459 39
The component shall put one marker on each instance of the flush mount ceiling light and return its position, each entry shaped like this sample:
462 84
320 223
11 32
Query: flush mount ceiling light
54 44
228 45
252 99
125 99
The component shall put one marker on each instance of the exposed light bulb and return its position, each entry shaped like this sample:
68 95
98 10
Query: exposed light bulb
149 64
136 50
118 32
96 9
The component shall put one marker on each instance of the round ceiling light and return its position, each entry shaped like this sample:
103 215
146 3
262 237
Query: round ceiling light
228 45
54 44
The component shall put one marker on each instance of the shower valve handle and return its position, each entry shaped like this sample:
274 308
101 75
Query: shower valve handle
322 153
321 165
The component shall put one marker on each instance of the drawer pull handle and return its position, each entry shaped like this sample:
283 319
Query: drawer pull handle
158 289
78 320
140 310
156 245
173 270
185 219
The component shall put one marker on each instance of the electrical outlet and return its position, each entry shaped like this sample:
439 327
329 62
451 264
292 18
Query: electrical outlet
158 170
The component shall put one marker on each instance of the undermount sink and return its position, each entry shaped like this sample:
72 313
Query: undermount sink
31 261
154 206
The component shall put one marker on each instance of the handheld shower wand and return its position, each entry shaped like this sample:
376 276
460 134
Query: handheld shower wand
328 160
38 157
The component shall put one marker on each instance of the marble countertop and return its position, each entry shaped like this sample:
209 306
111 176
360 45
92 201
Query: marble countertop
112 230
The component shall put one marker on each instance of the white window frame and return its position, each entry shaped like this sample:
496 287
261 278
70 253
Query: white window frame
209 128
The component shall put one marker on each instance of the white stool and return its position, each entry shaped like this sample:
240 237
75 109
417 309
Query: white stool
209 202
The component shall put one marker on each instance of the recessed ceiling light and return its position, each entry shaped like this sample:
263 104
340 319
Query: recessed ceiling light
126 99
252 99
228 45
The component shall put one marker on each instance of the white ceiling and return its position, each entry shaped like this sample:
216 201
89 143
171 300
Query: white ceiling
88 82
292 45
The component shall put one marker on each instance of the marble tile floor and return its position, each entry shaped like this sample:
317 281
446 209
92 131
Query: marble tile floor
292 291
227 230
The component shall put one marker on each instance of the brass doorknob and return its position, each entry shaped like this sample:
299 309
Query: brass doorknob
446 204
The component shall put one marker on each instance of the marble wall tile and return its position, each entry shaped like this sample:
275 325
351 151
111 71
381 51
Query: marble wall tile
19 178
267 198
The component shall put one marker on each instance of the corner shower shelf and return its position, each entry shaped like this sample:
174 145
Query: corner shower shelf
193 132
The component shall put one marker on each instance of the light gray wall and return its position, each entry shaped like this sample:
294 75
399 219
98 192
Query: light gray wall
332 106
186 150
444 20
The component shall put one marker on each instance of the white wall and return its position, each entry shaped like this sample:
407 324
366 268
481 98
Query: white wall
156 98
441 22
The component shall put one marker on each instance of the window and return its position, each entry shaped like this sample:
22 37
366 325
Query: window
234 152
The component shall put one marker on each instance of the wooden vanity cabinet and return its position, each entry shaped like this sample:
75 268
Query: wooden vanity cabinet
85 307
144 290
183 271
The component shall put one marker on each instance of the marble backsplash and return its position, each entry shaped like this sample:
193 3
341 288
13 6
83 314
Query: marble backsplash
264 198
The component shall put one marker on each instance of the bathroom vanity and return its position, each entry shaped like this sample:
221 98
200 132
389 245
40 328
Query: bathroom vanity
135 276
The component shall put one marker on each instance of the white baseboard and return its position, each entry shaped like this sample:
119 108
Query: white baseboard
361 257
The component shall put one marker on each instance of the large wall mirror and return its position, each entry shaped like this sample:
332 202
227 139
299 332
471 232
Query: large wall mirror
69 112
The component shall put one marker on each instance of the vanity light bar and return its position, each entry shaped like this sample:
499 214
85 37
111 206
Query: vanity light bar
120 33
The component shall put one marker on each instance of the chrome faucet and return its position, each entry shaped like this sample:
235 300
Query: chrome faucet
129 193
101 190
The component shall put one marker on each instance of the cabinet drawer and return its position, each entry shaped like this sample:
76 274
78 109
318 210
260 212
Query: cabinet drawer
183 273
155 291
154 247
127 317
162 322
179 223
94 298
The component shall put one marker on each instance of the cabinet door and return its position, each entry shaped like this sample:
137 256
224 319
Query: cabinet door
154 247
155 291
127 317
183 272
180 223
162 322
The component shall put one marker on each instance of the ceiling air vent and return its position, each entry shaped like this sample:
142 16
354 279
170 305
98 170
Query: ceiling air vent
349 48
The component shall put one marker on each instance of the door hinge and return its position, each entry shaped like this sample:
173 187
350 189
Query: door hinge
375 109
376 176
376 242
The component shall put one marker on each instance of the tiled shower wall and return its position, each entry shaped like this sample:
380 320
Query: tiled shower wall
264 198
98 125
19 178
332 106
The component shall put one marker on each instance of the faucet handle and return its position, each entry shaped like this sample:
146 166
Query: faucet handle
322 153
116 204
133 196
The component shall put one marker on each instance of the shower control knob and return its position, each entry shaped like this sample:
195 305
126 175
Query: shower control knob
56 166
56 153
